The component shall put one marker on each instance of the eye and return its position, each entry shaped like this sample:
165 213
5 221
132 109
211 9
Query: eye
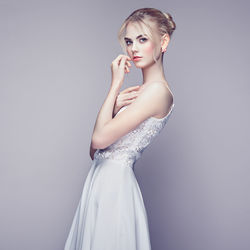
127 42
144 39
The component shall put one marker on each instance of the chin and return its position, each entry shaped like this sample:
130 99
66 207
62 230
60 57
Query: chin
139 66
143 65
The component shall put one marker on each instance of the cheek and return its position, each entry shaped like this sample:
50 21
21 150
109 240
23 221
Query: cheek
149 48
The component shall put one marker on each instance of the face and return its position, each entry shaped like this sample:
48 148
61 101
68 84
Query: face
139 44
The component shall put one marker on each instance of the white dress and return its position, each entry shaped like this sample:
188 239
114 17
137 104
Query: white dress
111 214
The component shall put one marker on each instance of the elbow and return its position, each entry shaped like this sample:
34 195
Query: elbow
97 142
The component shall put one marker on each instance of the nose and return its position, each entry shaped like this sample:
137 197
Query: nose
134 47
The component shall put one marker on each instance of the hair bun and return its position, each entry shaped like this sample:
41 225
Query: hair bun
168 16
170 20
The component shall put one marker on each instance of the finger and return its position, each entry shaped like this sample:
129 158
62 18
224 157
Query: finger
128 102
116 61
118 58
126 68
128 96
129 89
134 94
128 63
131 95
122 63
126 60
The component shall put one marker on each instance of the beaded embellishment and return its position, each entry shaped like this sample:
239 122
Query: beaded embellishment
128 149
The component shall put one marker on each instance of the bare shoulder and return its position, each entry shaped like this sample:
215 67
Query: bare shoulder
154 89
150 102
153 85
163 94
157 86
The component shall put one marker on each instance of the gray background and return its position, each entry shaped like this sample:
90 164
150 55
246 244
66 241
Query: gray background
55 73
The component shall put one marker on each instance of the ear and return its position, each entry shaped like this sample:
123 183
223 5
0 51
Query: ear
165 41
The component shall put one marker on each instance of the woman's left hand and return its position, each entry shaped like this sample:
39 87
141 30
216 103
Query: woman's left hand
125 97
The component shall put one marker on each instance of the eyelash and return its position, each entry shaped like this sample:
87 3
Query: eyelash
145 39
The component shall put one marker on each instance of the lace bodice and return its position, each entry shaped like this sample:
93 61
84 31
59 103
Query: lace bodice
129 147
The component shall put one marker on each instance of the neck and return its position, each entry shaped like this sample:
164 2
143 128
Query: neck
153 72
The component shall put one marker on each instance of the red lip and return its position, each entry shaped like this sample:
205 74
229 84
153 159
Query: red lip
136 57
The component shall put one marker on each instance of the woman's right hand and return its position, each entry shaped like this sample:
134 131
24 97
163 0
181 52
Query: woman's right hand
125 97
119 67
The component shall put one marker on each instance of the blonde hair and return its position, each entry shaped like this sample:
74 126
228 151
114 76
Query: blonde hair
164 23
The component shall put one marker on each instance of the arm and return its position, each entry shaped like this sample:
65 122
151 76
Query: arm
108 130
118 67
105 115
125 97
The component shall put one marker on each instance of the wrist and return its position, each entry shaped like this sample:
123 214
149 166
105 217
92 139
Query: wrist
115 88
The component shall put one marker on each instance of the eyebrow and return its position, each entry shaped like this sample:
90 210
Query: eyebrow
127 38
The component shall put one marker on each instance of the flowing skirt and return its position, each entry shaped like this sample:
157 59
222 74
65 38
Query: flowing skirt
111 214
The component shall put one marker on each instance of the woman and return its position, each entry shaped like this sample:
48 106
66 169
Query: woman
111 214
